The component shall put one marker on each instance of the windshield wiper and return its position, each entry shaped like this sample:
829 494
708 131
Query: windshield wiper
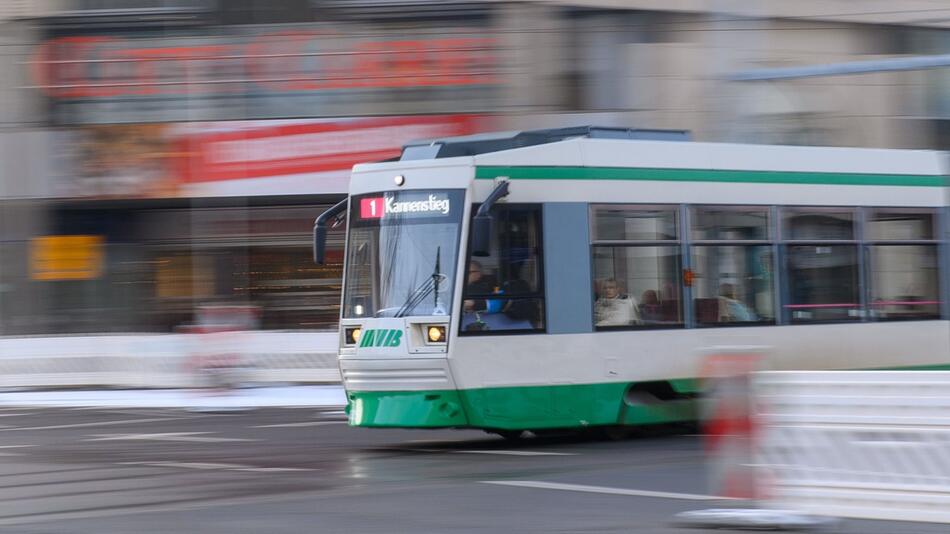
430 285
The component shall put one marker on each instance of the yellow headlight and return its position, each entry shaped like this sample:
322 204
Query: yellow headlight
351 336
436 334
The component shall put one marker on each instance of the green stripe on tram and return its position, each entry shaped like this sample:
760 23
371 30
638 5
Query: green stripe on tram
706 175
934 367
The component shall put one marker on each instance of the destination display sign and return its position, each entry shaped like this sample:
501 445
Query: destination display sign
407 205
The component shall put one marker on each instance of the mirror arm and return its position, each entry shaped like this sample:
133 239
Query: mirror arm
482 222
320 230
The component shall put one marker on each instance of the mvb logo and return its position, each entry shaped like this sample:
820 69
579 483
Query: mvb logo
385 337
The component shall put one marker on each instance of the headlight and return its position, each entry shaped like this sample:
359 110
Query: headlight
435 334
351 335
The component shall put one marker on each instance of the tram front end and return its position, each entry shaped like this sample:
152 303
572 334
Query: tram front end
401 272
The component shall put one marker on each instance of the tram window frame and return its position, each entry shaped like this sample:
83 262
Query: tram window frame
876 243
697 242
788 212
694 230
675 280
790 244
537 295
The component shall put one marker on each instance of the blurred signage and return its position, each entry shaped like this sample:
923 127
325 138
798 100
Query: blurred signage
237 158
66 257
270 74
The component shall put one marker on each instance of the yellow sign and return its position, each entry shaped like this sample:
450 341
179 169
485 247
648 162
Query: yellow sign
66 257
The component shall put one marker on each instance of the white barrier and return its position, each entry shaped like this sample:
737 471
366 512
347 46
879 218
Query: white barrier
162 360
861 444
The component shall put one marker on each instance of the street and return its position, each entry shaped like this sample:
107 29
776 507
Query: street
293 470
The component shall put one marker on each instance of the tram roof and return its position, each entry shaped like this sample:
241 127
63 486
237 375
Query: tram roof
604 147
472 145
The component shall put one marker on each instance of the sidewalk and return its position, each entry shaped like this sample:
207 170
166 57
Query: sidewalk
264 397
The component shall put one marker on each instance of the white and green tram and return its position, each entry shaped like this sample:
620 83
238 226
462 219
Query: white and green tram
582 277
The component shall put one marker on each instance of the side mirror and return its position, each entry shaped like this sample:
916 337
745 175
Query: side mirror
481 222
336 214
319 244
481 235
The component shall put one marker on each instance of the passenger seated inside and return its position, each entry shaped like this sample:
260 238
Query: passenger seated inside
649 306
731 309
614 308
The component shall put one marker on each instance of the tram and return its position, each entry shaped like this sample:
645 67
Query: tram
582 277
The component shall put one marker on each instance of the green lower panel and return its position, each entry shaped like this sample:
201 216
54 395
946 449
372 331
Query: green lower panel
529 407
544 406
514 408
419 409
666 412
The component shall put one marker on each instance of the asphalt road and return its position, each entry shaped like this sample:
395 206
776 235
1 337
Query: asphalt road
304 470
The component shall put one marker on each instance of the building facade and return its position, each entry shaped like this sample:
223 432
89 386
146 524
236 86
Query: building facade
160 156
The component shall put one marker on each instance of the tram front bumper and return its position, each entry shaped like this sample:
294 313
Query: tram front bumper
406 409
401 392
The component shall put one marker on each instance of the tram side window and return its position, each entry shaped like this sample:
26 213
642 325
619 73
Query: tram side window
504 291
822 265
636 264
732 265
903 265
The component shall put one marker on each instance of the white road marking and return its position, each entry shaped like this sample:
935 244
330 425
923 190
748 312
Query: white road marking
602 489
502 453
13 447
196 437
219 466
302 423
13 414
435 441
518 453
188 465
160 507
165 412
273 469
94 423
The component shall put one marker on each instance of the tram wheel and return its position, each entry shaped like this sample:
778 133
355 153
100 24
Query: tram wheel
511 435
616 432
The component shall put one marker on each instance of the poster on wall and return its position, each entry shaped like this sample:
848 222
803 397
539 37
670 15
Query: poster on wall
236 158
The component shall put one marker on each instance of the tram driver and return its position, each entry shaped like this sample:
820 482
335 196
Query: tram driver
478 283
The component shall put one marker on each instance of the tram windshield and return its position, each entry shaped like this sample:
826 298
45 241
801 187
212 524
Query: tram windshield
401 253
